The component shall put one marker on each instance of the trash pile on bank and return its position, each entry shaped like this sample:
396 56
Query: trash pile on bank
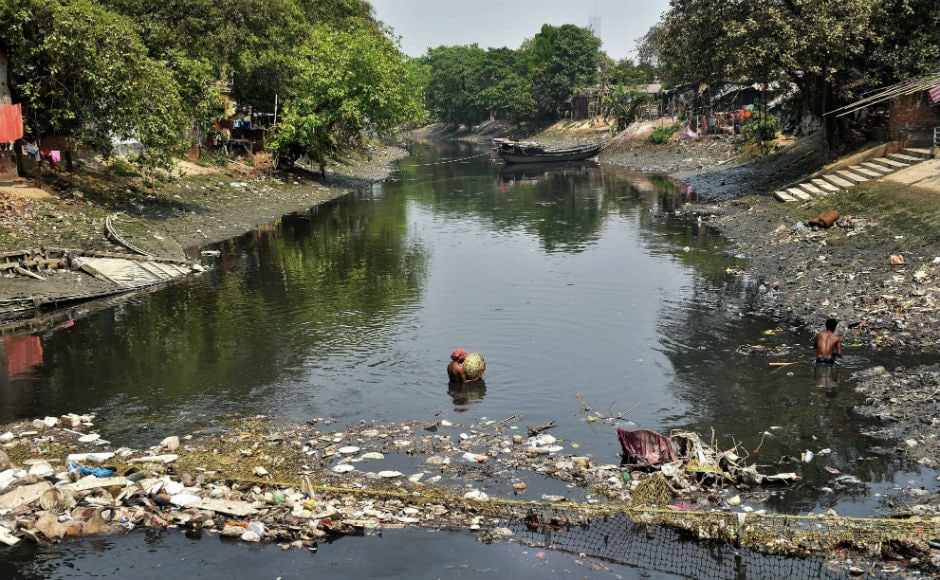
889 302
261 480
883 287
907 402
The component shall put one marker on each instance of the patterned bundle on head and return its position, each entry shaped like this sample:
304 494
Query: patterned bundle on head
474 365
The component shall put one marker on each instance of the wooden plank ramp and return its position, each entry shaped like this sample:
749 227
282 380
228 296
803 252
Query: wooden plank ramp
116 273
131 273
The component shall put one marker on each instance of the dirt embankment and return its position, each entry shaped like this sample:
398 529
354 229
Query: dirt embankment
192 206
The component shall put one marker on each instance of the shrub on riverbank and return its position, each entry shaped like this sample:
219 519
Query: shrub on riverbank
662 135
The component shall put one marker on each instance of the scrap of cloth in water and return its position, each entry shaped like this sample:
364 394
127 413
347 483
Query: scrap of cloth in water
645 447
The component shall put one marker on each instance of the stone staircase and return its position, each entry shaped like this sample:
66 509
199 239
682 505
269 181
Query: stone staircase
850 176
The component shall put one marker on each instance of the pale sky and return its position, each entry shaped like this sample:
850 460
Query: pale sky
424 24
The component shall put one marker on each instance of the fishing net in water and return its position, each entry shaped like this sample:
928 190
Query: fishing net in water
709 544
698 544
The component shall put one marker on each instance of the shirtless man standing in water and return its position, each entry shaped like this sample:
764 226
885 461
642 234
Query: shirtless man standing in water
828 344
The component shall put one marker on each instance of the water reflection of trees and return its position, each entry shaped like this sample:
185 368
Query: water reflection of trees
337 273
564 205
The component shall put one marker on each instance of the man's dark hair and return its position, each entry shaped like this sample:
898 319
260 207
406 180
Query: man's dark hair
831 324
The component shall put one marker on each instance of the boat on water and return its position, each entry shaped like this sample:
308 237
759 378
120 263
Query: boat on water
531 152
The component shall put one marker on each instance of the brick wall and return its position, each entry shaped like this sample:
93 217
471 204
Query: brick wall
913 117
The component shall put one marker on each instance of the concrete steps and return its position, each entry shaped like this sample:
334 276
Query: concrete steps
838 180
920 152
866 172
890 163
811 189
824 185
876 168
850 176
903 158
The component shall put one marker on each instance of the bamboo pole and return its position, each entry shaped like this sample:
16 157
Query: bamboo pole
900 89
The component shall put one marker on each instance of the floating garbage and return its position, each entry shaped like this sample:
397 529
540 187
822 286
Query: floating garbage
217 485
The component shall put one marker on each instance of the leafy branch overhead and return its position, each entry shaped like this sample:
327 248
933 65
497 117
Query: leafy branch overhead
150 70
154 71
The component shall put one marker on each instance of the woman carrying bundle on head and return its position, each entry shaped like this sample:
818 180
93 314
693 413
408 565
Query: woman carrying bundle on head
465 367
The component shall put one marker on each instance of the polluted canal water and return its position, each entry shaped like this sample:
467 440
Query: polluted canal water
594 307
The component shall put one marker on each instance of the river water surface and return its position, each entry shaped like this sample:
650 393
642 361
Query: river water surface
573 281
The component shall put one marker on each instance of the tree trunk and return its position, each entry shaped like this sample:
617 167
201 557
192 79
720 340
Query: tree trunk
817 99
6 95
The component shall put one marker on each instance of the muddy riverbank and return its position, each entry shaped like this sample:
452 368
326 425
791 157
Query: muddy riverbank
188 208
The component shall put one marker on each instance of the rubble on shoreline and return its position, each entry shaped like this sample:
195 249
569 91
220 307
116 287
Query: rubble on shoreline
907 401
262 480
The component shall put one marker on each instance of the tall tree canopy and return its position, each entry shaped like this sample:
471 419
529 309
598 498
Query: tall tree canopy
566 51
82 71
150 69
347 83
827 49
467 82
562 60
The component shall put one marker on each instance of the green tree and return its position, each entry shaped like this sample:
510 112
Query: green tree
910 41
823 48
350 83
82 72
465 83
246 43
502 80
562 60
454 78
625 72
567 51
649 51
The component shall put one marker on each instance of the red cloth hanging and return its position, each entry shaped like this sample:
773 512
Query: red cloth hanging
11 123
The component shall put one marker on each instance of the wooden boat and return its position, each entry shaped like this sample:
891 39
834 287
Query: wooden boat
529 152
